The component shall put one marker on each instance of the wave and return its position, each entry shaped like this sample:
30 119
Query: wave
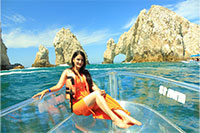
63 65
97 69
21 72
121 68
136 68
32 68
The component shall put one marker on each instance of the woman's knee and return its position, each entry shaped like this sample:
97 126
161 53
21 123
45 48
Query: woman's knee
93 95
90 99
97 93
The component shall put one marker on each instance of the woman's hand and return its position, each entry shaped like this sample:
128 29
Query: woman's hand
102 92
41 94
96 88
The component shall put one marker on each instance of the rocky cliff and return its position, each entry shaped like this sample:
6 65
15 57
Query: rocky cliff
66 44
5 63
4 57
157 35
109 54
42 58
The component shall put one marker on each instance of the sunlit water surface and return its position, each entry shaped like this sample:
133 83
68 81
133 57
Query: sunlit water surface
19 85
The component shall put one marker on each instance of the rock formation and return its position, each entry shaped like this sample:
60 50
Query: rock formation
109 54
4 57
42 58
5 63
157 35
66 44
17 66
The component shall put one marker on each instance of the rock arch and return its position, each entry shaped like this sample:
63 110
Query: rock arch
119 58
157 35
114 49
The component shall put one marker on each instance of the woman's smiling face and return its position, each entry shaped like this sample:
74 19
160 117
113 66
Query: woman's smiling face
78 61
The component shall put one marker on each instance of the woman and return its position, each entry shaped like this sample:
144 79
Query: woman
88 98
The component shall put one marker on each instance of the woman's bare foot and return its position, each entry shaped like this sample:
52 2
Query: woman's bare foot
127 119
121 124
131 121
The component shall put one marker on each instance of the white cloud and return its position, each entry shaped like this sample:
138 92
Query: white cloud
99 36
5 25
18 38
130 23
189 9
16 18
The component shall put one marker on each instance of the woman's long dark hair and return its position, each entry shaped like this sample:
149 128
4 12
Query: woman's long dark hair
82 69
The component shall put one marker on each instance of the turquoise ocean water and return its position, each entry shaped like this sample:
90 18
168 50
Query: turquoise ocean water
19 85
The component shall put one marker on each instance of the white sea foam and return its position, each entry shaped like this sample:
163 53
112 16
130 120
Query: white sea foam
97 69
21 72
33 68
134 68
63 65
121 68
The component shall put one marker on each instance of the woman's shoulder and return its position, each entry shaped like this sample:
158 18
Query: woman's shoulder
69 72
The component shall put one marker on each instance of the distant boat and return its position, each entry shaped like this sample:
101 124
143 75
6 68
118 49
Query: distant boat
195 58
196 55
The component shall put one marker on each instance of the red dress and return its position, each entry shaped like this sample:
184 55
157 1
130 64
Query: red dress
79 106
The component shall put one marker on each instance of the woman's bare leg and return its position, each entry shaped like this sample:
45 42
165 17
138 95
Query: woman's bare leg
126 118
95 97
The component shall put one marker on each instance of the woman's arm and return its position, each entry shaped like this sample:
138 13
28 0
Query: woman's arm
61 82
96 88
57 87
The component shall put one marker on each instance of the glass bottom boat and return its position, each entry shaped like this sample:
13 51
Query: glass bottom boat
162 105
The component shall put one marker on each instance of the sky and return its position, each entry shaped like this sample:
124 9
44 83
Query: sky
28 23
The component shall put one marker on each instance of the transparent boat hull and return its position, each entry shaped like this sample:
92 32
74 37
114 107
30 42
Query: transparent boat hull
162 105
152 122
